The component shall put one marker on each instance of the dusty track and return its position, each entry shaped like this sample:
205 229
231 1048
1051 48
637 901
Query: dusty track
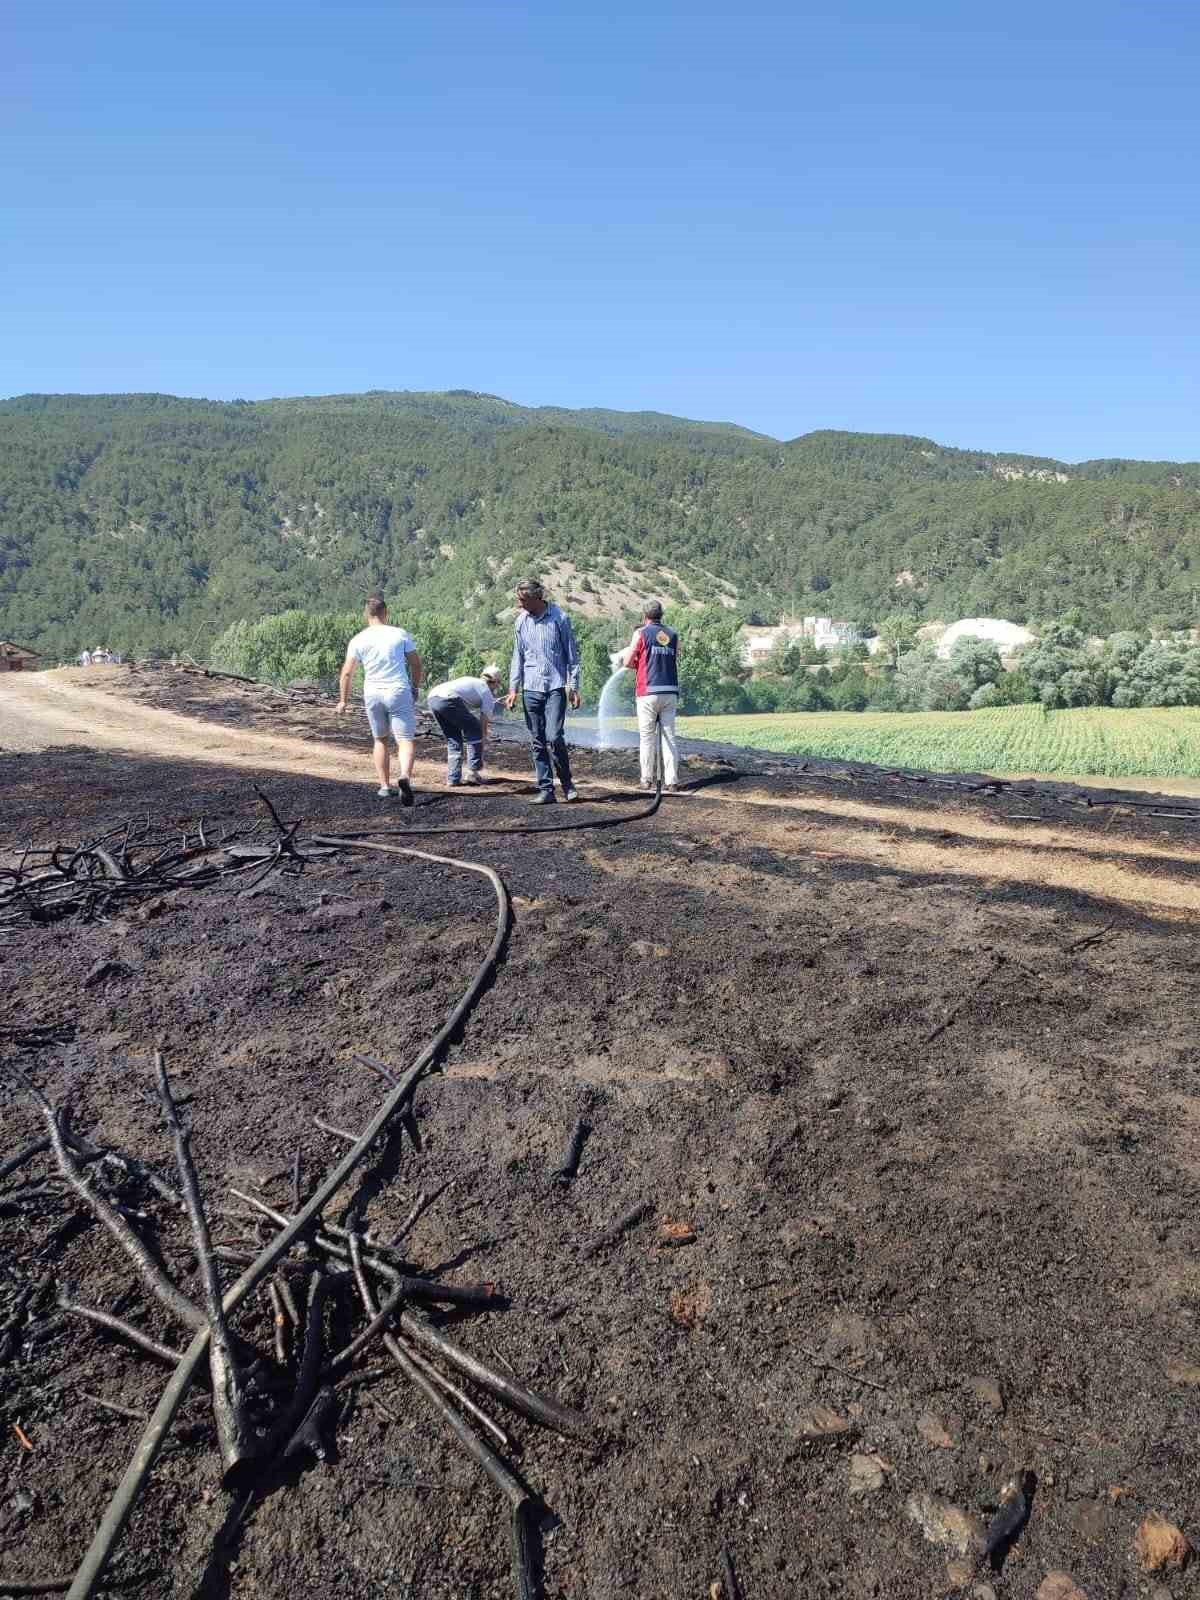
862 1043
39 711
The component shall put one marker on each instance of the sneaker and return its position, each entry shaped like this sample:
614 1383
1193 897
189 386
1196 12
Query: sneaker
542 798
571 794
406 794
384 791
452 783
646 788
471 776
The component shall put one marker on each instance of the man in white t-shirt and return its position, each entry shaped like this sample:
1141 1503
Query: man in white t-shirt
462 709
391 678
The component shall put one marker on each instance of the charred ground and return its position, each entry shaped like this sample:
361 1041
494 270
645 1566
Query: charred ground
922 1132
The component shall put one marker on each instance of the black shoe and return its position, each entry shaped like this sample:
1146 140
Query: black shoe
542 798
406 794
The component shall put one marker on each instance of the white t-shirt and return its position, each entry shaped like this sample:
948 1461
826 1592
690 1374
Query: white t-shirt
473 692
381 649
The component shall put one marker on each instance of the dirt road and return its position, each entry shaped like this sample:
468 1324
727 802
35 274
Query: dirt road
49 710
93 709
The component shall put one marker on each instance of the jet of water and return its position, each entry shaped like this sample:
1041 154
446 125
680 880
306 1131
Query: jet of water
610 708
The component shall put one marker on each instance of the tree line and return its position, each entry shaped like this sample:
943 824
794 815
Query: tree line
311 645
1061 668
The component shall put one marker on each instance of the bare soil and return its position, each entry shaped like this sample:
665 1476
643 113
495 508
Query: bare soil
851 1034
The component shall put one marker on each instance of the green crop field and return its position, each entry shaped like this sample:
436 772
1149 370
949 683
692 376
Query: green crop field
1094 740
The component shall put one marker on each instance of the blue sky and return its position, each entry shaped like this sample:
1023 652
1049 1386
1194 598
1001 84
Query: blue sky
975 223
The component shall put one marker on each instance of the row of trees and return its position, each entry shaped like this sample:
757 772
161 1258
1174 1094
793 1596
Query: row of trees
312 645
1061 669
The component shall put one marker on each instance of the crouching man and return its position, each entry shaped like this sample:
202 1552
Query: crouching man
462 709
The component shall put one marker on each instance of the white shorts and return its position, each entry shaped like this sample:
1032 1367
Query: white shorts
392 711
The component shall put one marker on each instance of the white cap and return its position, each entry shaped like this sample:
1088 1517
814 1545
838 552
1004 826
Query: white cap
491 672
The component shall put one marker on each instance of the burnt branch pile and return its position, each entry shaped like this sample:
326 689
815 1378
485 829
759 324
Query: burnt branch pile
135 864
275 1376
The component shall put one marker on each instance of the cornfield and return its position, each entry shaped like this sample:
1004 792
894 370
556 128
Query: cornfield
1090 741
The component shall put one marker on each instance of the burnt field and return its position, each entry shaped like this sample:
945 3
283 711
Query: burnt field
915 1126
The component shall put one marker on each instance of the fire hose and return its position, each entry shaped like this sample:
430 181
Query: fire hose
90 1573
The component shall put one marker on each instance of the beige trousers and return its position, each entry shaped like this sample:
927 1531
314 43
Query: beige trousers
656 713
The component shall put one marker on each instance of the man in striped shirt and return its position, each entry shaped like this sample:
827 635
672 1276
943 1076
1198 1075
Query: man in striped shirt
545 669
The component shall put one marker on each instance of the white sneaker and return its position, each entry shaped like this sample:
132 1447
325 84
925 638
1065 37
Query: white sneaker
471 776
384 792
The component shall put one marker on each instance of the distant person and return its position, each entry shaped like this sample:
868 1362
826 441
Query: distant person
654 655
391 678
545 669
85 658
462 709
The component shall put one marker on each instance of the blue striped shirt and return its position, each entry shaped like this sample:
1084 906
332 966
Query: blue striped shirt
545 655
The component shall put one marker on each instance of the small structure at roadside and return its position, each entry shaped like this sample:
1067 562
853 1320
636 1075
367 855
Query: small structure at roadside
17 657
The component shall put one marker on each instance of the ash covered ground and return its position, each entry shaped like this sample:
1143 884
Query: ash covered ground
932 1123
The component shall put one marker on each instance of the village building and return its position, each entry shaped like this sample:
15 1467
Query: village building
825 632
17 657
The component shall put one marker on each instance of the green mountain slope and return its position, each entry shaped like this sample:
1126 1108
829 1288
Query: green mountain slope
137 520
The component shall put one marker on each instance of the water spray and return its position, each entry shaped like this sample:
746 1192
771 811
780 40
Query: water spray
608 710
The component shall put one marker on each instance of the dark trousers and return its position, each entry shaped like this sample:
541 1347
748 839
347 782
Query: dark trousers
461 727
544 717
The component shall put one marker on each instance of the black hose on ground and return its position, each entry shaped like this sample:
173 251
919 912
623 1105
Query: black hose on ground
499 827
91 1570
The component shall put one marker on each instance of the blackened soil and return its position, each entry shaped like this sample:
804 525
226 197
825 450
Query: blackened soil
883 1212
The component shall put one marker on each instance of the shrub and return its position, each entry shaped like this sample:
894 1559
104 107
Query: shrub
850 692
804 694
924 683
975 662
1013 689
312 644
765 694
1162 674
729 698
291 644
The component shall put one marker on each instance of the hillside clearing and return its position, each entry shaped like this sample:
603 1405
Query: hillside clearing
1094 740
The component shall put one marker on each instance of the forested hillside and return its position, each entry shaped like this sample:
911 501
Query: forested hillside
140 520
